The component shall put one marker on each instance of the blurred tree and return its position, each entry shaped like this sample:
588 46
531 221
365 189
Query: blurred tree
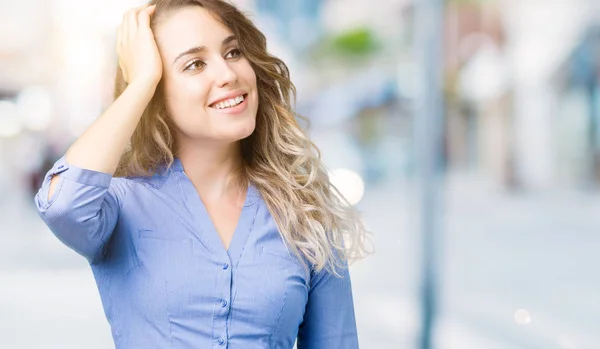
348 47
356 42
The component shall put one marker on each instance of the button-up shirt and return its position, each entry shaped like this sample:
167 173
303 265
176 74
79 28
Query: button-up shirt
167 281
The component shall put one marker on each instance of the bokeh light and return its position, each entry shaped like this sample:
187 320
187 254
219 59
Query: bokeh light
10 125
349 183
522 317
35 108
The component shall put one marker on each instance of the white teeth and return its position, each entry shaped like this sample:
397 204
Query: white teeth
232 102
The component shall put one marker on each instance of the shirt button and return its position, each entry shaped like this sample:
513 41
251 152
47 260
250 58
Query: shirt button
225 266
221 341
223 303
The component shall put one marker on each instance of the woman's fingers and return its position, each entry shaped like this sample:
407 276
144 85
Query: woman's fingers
143 17
119 48
126 33
132 25
139 58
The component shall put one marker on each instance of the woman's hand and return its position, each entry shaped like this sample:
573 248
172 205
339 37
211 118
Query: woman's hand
138 54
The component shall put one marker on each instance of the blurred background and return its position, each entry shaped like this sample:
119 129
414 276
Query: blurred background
511 261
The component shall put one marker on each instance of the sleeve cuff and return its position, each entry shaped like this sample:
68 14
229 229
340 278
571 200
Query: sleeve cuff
80 175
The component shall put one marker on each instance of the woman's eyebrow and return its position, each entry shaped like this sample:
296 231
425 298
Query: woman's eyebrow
197 49
228 39
189 51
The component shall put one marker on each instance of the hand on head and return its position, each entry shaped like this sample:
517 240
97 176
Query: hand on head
139 58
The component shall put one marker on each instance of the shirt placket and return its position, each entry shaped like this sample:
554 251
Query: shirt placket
222 305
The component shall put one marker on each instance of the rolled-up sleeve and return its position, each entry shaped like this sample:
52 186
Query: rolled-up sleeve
329 321
83 209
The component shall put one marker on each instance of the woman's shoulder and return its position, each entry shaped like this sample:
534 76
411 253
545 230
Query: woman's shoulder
155 180
130 191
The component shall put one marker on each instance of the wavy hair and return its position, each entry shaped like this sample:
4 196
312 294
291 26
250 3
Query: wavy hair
313 218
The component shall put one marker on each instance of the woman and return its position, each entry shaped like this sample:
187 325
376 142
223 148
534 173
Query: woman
204 211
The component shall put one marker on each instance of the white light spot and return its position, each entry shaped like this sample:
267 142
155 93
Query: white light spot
522 317
349 183
35 108
10 124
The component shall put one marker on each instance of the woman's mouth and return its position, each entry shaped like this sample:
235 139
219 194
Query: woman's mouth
233 105
229 103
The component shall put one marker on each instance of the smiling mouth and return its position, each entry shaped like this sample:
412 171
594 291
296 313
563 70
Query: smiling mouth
229 103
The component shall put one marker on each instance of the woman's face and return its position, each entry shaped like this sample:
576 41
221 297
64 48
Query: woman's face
209 86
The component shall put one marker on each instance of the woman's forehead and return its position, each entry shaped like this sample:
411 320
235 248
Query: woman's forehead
188 27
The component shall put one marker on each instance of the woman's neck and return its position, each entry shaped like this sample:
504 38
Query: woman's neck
209 166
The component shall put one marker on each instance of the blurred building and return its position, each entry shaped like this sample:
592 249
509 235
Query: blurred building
511 71
478 91
577 118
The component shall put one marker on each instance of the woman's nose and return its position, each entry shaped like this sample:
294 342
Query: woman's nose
225 74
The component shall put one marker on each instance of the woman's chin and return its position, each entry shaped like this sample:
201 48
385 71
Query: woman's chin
244 134
237 134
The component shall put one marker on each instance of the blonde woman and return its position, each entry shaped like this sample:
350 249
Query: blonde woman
203 209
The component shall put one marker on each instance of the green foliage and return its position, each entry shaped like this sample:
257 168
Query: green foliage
468 2
356 42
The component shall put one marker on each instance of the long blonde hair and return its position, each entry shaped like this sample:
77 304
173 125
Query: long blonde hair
314 220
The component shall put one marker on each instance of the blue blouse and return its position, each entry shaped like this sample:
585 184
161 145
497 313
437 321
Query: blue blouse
166 280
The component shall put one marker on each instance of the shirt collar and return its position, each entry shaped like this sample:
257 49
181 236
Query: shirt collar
177 166
253 192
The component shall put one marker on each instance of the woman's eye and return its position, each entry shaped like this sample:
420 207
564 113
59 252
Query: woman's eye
235 53
195 65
